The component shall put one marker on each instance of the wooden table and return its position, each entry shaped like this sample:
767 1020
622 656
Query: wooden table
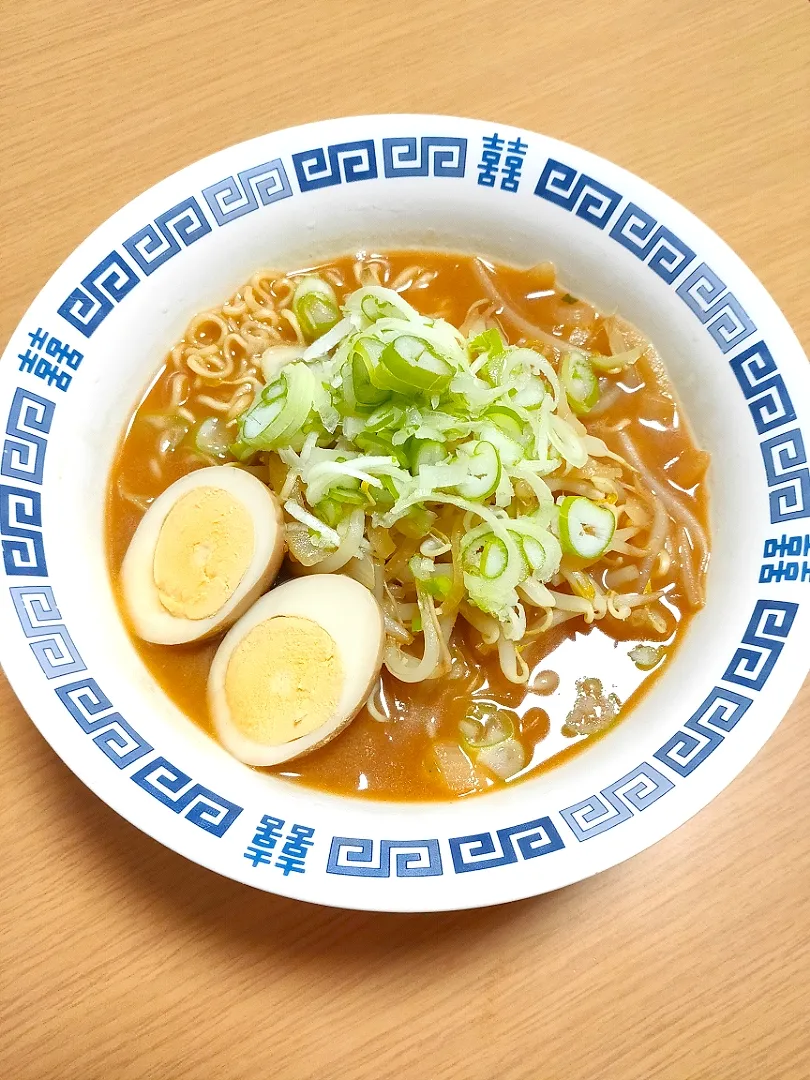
121 961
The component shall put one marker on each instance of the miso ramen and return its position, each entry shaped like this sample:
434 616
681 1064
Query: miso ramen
408 526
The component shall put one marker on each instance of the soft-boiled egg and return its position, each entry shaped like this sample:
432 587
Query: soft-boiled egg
296 669
203 552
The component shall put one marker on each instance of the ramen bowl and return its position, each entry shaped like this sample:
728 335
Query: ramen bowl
80 359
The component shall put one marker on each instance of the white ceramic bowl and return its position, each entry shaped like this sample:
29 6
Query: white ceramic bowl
390 182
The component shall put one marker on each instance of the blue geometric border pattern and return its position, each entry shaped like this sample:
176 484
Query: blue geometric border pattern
36 608
762 643
93 712
21 532
180 226
704 730
123 745
587 198
632 793
788 483
198 804
105 286
40 619
706 296
351 856
482 851
654 244
432 155
234 196
349 162
764 389
29 420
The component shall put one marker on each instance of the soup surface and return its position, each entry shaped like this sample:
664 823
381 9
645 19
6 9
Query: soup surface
582 666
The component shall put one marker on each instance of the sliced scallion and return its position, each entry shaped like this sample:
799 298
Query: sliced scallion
413 365
586 528
483 470
315 306
580 383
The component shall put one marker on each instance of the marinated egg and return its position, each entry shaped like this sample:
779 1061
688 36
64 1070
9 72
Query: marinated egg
296 669
203 552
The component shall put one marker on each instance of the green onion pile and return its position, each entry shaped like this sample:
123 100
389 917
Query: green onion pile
422 461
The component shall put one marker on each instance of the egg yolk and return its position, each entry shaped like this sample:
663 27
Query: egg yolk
204 548
284 680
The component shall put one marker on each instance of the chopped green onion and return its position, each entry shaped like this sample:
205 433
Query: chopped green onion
388 416
281 410
362 371
483 470
586 528
439 586
397 415
374 302
412 365
489 342
426 452
315 306
580 383
508 421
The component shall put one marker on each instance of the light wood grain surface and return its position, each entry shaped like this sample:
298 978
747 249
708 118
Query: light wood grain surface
121 961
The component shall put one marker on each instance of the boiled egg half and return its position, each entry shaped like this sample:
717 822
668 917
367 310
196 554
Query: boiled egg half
296 669
203 552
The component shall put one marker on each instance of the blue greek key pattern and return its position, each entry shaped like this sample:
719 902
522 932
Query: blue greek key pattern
764 389
706 296
432 155
40 618
29 421
234 196
36 608
788 482
151 246
94 713
762 643
349 162
634 792
654 244
21 532
703 732
578 192
105 286
482 851
356 857
198 804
